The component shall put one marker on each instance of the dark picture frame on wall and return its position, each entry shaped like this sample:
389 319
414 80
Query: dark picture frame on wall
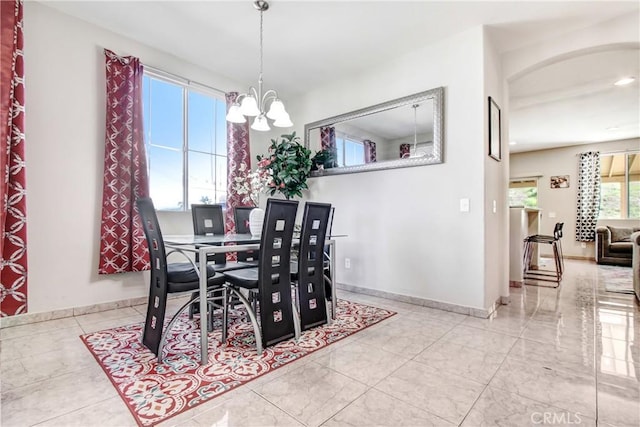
495 146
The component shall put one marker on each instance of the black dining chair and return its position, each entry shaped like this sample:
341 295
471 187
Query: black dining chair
169 278
307 271
327 259
269 283
241 217
209 220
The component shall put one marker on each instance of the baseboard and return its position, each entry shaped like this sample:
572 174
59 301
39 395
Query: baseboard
445 306
27 318
579 257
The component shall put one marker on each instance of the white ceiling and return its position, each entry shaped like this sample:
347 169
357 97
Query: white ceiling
309 44
574 101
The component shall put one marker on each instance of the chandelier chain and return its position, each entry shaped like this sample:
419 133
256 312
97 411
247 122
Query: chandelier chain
261 12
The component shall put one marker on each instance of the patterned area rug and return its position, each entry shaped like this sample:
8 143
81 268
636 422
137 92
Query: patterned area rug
616 279
154 392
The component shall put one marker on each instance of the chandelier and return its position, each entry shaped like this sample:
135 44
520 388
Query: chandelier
254 103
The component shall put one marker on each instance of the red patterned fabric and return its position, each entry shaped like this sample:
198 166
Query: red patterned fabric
405 150
13 213
156 392
238 154
328 142
370 155
123 246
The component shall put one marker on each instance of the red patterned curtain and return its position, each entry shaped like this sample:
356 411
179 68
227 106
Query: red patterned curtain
370 155
405 150
328 141
13 213
122 243
238 159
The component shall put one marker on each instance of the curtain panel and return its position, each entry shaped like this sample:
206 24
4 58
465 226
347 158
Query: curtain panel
405 150
588 205
13 212
370 155
123 246
238 164
328 142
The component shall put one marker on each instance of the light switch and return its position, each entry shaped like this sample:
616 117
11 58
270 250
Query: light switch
495 207
552 214
464 205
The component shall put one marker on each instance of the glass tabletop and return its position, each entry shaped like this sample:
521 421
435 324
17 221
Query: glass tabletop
213 239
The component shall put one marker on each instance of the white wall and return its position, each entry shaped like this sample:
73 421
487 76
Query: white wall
406 234
65 109
562 201
496 209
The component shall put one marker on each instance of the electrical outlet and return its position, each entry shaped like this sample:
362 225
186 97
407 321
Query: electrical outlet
583 245
347 263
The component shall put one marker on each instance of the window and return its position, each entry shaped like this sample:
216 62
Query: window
186 143
350 150
523 192
620 186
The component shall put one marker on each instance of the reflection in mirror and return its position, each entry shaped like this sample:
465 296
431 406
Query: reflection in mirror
399 133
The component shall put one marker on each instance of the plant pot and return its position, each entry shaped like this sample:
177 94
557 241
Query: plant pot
256 218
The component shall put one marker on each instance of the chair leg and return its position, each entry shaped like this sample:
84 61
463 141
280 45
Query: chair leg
252 316
295 303
329 305
171 323
225 313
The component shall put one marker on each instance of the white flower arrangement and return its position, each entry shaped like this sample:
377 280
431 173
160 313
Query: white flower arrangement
248 184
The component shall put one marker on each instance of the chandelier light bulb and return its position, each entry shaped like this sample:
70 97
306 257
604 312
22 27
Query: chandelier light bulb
276 110
249 106
234 115
283 121
260 124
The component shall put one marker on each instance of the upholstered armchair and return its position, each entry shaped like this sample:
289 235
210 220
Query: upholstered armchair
613 245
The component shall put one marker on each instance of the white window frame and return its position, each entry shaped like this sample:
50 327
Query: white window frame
187 86
345 136
624 189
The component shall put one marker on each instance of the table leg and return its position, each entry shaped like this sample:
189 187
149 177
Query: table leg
332 267
204 309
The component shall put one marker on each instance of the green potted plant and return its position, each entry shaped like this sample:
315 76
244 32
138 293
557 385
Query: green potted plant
323 159
289 165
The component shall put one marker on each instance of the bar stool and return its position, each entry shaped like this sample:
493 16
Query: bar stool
529 247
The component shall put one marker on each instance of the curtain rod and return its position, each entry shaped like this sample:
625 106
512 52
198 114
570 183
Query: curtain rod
177 79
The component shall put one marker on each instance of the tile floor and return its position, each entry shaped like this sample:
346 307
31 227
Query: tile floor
552 357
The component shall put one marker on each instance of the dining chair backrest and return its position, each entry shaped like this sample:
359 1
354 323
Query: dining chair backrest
207 219
241 218
274 277
557 230
311 292
158 288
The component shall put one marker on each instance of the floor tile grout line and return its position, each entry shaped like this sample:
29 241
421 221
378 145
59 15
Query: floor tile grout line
76 410
490 379
408 403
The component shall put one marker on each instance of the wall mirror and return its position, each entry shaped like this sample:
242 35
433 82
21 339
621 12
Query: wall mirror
404 132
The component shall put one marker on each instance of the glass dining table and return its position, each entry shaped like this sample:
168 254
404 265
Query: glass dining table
223 243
